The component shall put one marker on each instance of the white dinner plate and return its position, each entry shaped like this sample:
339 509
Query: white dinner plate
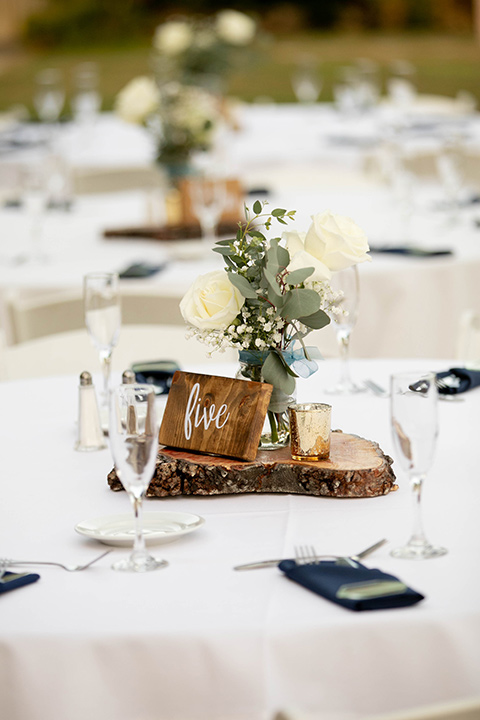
158 527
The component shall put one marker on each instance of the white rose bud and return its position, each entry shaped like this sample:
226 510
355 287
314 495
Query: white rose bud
173 37
138 99
212 302
235 27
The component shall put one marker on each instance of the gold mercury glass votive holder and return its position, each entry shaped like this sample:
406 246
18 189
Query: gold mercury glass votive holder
310 431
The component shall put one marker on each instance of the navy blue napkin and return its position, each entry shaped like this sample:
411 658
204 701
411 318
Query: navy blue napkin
11 581
468 379
355 588
410 251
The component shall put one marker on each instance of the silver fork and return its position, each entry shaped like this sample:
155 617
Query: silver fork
6 562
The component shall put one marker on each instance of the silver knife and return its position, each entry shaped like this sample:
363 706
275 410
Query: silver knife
274 563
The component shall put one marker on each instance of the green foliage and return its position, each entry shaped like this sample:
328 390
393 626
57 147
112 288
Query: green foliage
284 310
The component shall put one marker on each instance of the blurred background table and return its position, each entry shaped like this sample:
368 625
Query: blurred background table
308 158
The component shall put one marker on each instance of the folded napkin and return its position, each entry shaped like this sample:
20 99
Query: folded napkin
356 588
140 270
410 251
10 580
466 379
158 373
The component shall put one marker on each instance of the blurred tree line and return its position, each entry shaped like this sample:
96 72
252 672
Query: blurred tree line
94 22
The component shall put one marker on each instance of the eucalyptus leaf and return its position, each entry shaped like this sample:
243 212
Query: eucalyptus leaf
316 320
257 207
275 373
276 299
243 285
296 277
287 367
300 303
223 250
283 256
224 242
272 281
278 212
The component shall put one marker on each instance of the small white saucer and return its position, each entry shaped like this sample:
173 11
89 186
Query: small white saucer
158 527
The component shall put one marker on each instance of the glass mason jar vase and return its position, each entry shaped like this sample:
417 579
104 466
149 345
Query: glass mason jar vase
276 428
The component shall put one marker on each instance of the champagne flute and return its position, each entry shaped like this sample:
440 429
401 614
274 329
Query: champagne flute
134 441
103 319
415 428
345 283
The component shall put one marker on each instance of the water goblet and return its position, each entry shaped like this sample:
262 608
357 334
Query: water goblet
415 428
133 436
345 283
103 319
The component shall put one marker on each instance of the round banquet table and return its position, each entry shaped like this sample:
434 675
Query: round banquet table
199 641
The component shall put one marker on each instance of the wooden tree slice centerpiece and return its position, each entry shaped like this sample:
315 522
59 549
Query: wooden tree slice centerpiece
356 468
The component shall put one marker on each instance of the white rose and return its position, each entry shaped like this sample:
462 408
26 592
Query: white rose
212 302
332 243
173 37
295 243
138 99
235 27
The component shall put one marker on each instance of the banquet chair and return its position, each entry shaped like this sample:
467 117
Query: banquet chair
457 710
30 315
72 352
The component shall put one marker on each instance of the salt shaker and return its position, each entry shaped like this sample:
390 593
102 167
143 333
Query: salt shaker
128 377
90 434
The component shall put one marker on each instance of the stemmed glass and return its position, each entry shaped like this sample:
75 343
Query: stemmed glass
208 196
134 441
346 284
415 429
103 319
306 82
49 99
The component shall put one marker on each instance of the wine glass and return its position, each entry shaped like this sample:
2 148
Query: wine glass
49 98
415 428
133 435
208 196
345 283
306 82
103 319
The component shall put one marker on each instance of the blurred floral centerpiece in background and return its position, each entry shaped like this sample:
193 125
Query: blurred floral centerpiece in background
203 50
270 296
181 118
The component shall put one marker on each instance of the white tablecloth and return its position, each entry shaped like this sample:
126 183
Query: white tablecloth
199 641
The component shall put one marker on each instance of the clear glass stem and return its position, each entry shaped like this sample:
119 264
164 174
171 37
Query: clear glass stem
344 342
106 362
139 542
208 232
417 538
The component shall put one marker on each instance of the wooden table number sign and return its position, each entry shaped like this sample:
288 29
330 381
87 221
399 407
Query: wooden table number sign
215 415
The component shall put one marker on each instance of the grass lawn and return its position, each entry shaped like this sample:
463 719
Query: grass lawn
445 64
